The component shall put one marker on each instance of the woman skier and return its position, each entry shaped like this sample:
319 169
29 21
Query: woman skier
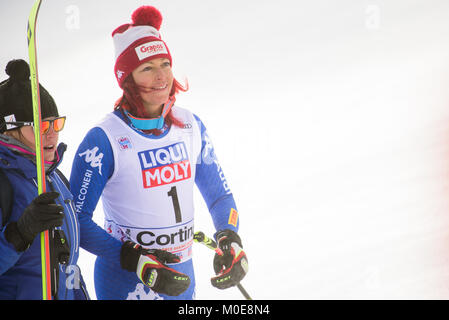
143 160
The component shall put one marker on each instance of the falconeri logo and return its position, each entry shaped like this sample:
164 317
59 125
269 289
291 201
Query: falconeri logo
150 49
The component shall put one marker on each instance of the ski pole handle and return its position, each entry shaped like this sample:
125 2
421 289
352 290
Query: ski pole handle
200 237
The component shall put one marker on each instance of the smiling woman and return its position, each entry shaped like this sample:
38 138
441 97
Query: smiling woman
151 154
146 90
154 79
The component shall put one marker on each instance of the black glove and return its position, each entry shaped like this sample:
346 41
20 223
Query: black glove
149 265
231 266
42 214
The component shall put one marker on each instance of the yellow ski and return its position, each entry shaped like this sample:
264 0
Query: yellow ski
45 242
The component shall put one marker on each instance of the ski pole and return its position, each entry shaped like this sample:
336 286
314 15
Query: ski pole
45 240
200 237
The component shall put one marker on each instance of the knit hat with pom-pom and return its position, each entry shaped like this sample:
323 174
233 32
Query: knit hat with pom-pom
138 42
16 103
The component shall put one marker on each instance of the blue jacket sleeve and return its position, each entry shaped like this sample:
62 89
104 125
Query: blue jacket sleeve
213 185
92 166
8 254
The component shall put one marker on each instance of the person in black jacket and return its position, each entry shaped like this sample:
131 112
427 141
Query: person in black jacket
30 213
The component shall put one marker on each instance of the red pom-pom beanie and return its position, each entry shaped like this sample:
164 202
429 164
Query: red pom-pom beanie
138 42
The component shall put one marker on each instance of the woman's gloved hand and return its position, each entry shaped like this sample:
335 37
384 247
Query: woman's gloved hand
42 214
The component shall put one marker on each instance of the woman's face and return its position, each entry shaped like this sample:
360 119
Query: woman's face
49 140
155 80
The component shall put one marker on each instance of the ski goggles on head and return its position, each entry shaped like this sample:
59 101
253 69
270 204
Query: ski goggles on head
58 124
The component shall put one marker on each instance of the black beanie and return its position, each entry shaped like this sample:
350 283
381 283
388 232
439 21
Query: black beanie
16 98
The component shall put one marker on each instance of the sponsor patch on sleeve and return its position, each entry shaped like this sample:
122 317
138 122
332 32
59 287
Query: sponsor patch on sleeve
233 217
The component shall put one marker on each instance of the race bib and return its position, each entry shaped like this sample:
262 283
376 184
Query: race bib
176 239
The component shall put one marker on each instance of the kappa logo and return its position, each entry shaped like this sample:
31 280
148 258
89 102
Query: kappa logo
140 293
208 152
92 158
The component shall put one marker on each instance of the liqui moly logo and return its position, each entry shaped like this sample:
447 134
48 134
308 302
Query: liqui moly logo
165 165
150 49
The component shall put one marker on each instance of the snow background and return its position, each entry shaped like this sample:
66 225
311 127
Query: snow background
330 120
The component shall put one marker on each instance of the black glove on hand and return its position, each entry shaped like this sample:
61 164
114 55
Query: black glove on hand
42 214
149 265
230 267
